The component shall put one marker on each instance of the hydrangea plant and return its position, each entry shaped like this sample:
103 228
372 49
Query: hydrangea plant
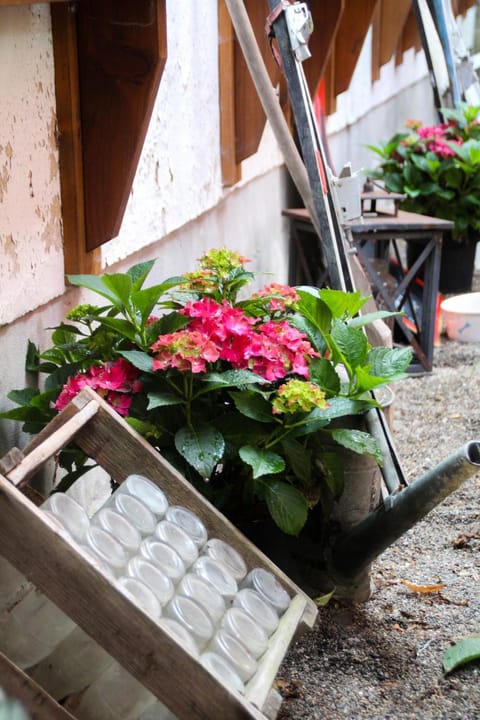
437 167
231 391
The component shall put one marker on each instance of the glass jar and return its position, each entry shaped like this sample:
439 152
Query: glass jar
267 585
159 583
104 546
247 631
71 514
216 574
193 617
180 634
235 653
189 522
140 594
165 557
134 510
260 610
148 492
177 538
223 552
120 527
204 593
219 666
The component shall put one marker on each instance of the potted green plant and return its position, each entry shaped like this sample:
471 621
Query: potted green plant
437 168
243 396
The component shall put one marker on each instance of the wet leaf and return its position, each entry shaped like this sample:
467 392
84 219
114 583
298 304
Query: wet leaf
323 600
464 651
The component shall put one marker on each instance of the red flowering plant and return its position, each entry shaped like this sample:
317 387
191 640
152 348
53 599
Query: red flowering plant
437 168
231 391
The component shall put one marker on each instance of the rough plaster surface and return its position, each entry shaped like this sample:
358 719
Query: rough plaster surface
31 259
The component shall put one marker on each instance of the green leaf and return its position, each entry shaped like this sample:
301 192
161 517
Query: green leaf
322 373
323 600
389 362
343 305
232 378
299 458
287 506
94 283
159 399
253 406
23 397
146 299
464 651
121 327
262 462
352 343
32 357
360 442
201 446
139 272
121 286
314 309
141 360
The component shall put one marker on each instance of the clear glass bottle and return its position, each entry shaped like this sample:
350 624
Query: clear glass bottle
104 546
226 645
260 610
204 593
165 557
140 594
159 583
267 585
134 510
193 617
177 538
189 522
70 513
148 492
219 666
222 552
247 631
216 574
120 527
179 633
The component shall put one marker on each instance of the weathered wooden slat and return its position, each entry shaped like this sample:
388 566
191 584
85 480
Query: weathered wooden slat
51 445
258 688
38 704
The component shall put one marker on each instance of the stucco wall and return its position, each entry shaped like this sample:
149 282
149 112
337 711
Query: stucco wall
31 259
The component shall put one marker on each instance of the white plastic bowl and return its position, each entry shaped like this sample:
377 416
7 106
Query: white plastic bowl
461 316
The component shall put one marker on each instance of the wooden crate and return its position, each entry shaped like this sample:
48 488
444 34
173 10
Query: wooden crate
53 565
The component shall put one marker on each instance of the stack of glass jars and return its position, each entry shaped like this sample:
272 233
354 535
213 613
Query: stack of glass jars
198 589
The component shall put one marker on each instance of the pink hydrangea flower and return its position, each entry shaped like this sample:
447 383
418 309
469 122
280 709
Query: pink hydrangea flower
115 381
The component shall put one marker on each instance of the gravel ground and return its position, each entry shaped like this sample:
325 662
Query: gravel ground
382 660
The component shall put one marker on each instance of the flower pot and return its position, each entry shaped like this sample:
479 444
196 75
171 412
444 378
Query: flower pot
305 558
457 263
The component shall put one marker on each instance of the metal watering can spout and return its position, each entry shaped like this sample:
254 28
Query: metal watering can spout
357 548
